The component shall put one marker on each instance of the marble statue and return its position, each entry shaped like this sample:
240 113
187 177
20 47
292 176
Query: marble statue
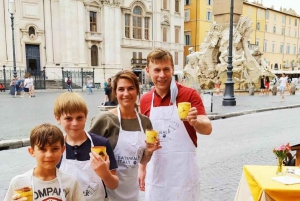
204 66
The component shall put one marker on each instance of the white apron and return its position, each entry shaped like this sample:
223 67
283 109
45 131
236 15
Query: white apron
128 153
59 182
172 172
90 182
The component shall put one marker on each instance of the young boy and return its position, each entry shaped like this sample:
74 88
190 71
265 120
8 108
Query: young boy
45 181
92 172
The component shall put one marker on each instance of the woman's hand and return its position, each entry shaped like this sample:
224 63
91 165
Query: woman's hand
100 166
17 197
150 147
142 176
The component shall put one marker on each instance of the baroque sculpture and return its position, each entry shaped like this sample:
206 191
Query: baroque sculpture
210 62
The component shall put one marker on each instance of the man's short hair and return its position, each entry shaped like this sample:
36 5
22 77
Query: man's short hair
158 55
46 134
69 103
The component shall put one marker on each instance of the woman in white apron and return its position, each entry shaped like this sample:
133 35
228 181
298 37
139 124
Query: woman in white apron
124 127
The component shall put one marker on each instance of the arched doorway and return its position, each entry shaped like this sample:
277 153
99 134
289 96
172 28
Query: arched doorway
276 66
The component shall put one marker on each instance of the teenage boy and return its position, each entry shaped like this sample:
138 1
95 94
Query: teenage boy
172 173
92 172
45 181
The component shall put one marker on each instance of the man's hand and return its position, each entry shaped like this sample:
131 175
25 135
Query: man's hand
192 116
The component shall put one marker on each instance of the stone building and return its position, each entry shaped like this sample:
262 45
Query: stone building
104 35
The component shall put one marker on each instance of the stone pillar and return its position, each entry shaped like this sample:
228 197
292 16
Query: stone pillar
48 32
81 33
3 40
221 11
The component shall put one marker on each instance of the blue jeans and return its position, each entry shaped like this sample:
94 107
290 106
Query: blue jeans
69 88
90 88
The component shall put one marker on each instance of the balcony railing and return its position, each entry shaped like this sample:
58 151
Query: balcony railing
138 61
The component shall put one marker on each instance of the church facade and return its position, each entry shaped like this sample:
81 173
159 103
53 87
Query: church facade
101 35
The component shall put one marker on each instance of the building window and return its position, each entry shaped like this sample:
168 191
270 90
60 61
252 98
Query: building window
283 19
266 46
295 22
282 31
273 47
288 49
267 14
258 26
187 15
266 28
137 22
274 16
127 25
93 21
274 29
31 30
146 29
177 30
289 21
165 32
281 48
257 42
209 16
295 34
165 4
289 32
187 39
187 2
295 51
176 58
94 55
209 2
177 6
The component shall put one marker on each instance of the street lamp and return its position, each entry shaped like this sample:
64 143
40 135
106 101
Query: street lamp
229 99
12 10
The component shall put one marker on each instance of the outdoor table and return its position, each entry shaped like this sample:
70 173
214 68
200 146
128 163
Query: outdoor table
256 185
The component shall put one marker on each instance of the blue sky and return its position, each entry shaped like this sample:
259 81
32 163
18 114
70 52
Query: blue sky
294 4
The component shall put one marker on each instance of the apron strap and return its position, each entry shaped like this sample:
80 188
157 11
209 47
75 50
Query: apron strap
64 157
137 116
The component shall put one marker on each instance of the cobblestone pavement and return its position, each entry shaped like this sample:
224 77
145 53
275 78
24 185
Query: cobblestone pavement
234 142
20 115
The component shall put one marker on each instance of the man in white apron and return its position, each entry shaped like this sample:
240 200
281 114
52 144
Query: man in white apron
172 173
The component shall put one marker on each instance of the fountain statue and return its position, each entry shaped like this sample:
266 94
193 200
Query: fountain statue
210 62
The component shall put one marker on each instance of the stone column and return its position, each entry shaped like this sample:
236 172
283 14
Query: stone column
81 33
48 32
3 41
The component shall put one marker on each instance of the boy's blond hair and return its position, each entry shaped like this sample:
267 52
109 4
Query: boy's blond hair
69 103
46 134
158 55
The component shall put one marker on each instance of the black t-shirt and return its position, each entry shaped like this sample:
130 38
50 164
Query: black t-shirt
81 152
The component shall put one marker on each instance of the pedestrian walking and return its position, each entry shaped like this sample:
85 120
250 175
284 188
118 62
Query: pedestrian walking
178 138
282 82
28 82
69 84
262 85
124 128
93 172
47 147
89 84
218 85
267 85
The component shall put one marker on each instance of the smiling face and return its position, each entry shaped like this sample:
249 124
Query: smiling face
48 156
126 93
161 74
73 124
